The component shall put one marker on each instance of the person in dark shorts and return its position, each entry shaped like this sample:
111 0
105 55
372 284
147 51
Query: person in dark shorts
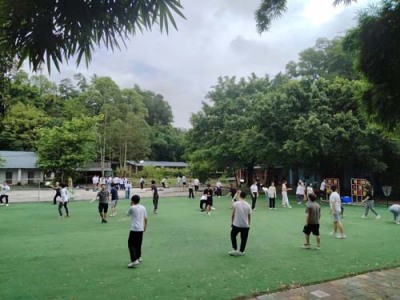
313 215
155 195
104 197
209 202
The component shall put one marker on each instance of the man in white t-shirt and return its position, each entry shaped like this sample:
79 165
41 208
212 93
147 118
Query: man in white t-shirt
241 217
335 205
64 200
138 214
322 190
254 194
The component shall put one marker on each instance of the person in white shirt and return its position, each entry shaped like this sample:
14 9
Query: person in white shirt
63 200
5 189
285 199
300 192
272 195
128 187
395 210
322 190
254 194
241 217
95 181
335 205
196 183
138 214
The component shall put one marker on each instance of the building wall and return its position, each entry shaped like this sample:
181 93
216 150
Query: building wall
21 176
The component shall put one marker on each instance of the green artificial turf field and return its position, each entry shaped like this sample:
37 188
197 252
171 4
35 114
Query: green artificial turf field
184 251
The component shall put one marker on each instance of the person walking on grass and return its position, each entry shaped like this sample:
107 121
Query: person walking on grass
209 202
138 215
335 207
285 199
313 215
196 183
191 190
240 223
300 192
254 194
114 200
104 197
369 202
128 187
57 188
63 201
272 195
155 195
5 190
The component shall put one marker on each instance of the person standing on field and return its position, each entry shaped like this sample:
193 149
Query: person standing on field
5 189
254 194
240 221
313 215
57 188
138 215
155 195
63 200
272 195
369 202
209 202
191 190
285 199
335 206
104 197
114 200
196 183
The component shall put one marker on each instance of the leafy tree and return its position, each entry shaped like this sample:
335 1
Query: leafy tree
65 148
272 9
159 110
53 31
224 133
326 59
19 128
376 40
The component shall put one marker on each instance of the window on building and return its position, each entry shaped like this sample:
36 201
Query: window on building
9 177
31 177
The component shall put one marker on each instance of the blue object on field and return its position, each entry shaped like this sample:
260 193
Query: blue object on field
346 199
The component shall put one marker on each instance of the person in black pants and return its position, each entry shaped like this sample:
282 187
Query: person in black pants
191 188
57 188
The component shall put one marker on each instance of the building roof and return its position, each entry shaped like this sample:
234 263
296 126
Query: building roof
166 164
18 160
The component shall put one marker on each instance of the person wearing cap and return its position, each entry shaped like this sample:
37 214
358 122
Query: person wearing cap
138 215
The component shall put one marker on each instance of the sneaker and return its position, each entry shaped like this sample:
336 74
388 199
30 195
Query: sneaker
289 206
241 253
208 214
377 217
61 217
364 217
233 252
398 223
133 264
306 246
140 259
318 248
270 208
1 204
341 237
213 208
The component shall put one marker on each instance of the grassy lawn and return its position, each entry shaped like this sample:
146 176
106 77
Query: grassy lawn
184 252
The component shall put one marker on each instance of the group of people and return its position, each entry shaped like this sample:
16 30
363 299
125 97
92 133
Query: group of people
120 183
240 216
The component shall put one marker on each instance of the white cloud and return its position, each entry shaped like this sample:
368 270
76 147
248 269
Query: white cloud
218 38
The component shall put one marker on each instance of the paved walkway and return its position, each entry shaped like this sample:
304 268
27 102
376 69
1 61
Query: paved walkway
374 285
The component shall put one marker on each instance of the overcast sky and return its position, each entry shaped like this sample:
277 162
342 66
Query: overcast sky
218 38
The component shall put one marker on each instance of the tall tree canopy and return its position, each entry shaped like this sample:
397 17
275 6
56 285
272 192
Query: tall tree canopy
376 39
52 31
